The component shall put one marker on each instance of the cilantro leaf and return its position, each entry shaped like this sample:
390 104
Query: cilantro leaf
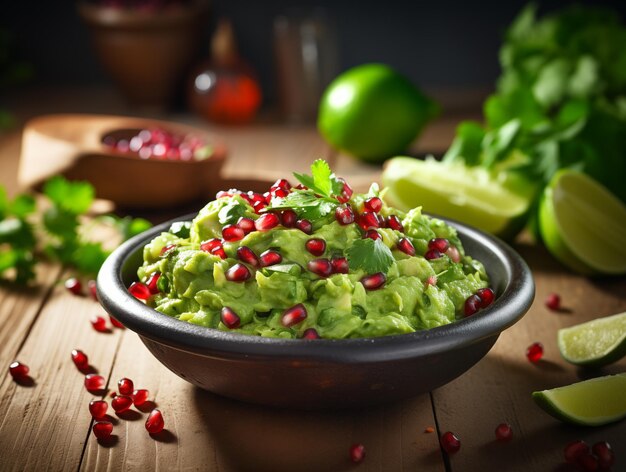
322 180
369 255
73 197
231 212
89 257
305 204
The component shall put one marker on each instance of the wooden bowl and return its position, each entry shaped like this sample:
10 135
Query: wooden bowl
71 145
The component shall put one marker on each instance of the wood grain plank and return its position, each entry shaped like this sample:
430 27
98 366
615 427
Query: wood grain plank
212 433
44 426
498 389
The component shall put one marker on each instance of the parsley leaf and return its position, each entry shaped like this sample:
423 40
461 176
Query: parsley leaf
73 197
305 204
322 180
369 255
231 212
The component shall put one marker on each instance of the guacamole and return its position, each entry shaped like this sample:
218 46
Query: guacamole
312 261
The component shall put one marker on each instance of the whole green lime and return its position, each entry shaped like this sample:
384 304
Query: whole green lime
372 112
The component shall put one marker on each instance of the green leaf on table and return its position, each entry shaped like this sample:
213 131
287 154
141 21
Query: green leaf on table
8 258
22 205
369 255
60 222
16 232
4 202
72 196
89 257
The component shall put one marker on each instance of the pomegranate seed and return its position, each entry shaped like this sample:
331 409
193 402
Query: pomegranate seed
574 450
279 192
346 192
223 194
140 396
93 291
472 305
357 453
432 254
18 370
368 220
139 290
247 255
439 244
406 246
553 302
315 246
258 206
282 183
246 224
589 463
454 254
294 315
305 226
486 296
98 408
219 252
238 273
450 443
394 223
74 286
374 281
603 451
301 187
344 215
321 267
208 246
288 218
125 386
373 204
372 234
232 233
340 265
230 318
99 324
121 403
102 429
310 333
80 359
166 249
152 282
94 382
534 352
504 433
266 222
116 322
155 423
270 257
431 280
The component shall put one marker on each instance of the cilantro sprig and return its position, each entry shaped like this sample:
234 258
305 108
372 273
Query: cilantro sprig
369 255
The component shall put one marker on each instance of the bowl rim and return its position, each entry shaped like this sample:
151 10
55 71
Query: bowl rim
514 301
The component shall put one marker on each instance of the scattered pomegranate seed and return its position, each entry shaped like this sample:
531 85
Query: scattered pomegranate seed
18 370
406 246
246 224
121 403
152 282
357 453
432 254
230 318
346 192
534 352
603 451
266 222
115 322
374 281
140 396
486 296
574 450
440 244
294 315
102 429
94 382
155 423
288 218
589 463
344 215
321 267
305 226
372 234
553 302
247 255
368 220
93 291
394 223
504 433
113 394
238 273
270 257
232 233
429 429
80 359
315 246
125 386
139 290
431 280
98 408
450 443
373 204
310 333
340 265
166 249
454 254
472 305
99 324
208 246
74 286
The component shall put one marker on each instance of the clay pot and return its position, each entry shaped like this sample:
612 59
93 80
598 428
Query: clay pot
146 53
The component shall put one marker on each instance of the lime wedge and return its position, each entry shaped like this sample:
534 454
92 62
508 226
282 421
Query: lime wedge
592 402
595 343
496 203
583 224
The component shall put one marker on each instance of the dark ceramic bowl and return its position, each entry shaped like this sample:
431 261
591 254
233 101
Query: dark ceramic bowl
314 374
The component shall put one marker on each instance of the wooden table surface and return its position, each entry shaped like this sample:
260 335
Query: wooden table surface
46 426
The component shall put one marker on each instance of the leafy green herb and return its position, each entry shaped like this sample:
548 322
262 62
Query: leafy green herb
181 229
322 180
231 212
369 255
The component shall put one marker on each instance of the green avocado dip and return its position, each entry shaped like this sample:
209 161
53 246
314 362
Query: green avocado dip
312 261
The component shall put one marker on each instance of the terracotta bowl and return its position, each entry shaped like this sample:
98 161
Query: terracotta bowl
318 374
